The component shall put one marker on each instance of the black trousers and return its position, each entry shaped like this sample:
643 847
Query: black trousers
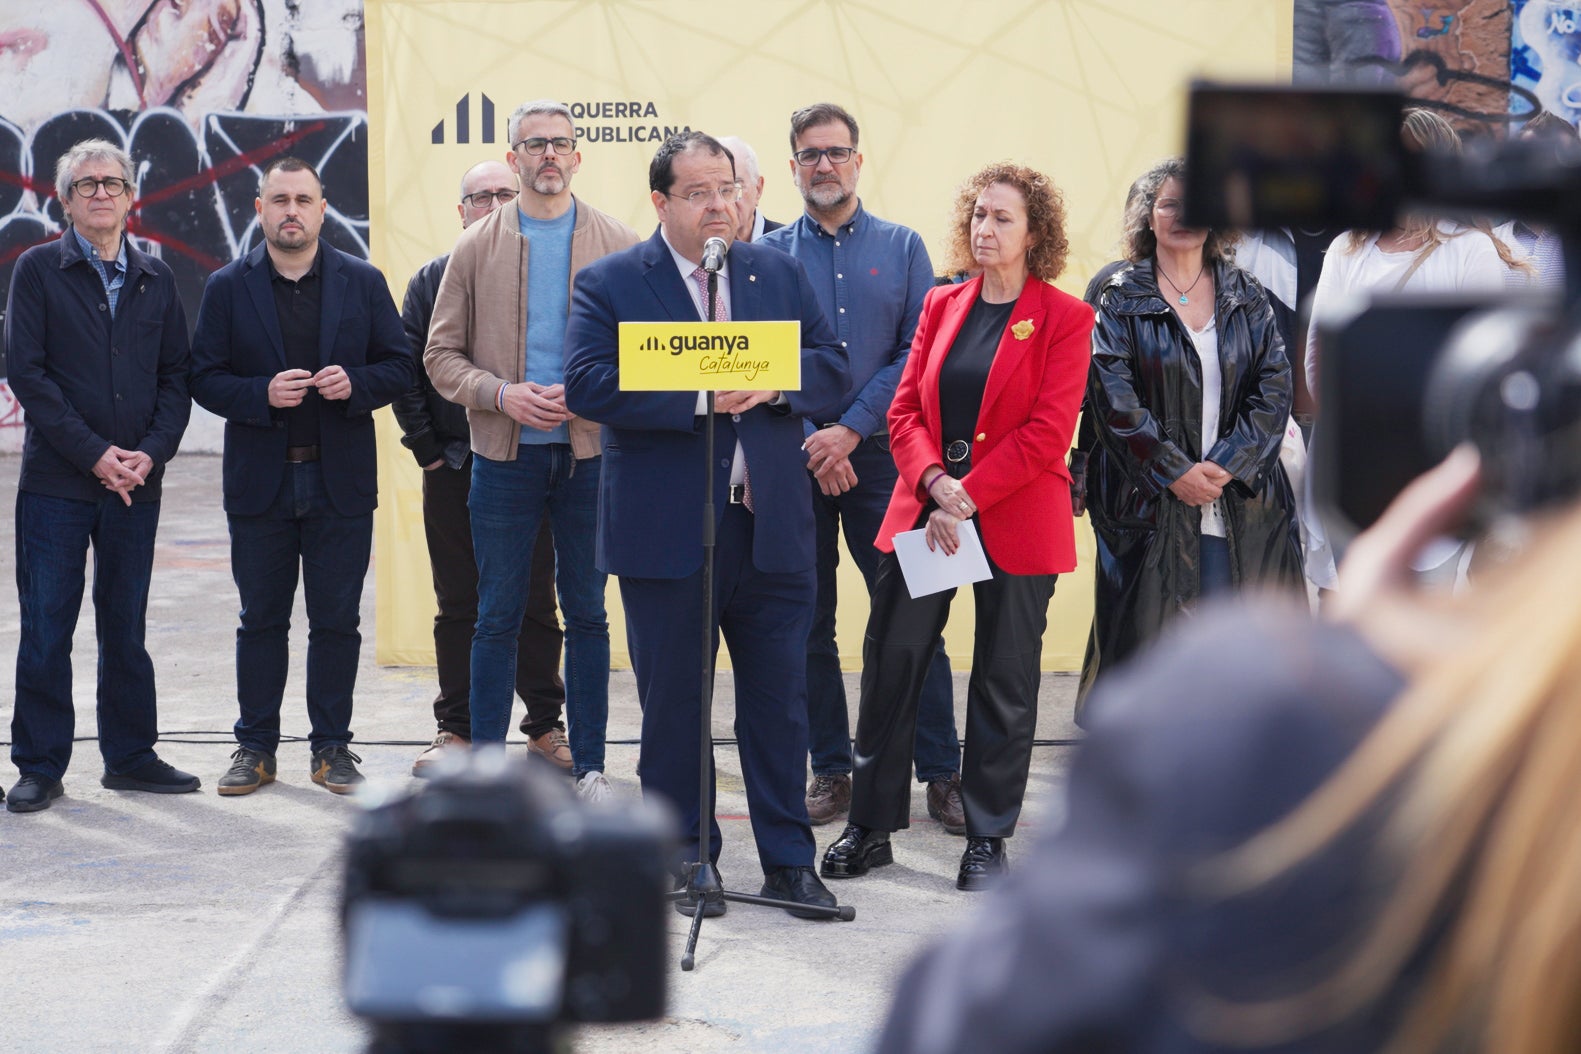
449 531
1001 698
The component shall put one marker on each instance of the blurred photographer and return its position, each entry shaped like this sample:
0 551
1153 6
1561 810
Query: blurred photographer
1369 843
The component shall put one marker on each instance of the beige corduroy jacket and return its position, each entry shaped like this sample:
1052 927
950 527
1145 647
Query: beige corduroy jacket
477 339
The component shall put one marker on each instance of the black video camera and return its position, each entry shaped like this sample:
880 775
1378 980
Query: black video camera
1404 379
492 906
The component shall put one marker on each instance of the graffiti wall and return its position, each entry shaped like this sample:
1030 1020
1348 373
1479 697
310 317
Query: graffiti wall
200 93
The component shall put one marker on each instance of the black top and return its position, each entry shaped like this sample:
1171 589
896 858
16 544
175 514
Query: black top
964 374
299 305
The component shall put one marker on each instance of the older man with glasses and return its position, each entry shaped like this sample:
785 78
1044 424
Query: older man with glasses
435 431
97 354
495 346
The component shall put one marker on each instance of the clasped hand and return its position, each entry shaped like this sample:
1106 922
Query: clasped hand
123 471
289 387
536 405
1201 484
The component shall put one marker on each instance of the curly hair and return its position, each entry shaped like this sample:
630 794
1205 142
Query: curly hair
1138 242
1045 219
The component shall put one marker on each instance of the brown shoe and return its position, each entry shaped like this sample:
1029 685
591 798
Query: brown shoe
944 803
443 743
552 746
828 798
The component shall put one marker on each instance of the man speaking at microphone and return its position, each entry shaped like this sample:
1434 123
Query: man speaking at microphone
650 531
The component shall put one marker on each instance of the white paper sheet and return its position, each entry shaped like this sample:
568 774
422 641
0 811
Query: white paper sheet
930 571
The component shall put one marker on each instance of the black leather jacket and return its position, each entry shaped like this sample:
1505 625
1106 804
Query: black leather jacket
434 428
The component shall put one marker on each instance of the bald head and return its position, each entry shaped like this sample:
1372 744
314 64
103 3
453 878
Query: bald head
751 183
485 177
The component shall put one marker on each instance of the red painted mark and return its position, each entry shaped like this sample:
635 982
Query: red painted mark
125 49
872 270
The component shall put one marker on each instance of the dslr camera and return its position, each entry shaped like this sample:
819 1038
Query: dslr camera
492 907
1406 378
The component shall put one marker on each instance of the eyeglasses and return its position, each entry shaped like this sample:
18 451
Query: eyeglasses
87 188
537 145
1167 206
837 155
484 198
699 199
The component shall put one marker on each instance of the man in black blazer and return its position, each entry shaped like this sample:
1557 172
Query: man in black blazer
296 345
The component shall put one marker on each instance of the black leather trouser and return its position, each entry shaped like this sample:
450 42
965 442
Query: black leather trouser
1001 698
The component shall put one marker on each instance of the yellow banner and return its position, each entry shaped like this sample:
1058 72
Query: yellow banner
713 356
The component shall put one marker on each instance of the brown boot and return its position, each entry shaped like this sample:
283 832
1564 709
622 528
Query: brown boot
828 798
552 746
944 803
443 743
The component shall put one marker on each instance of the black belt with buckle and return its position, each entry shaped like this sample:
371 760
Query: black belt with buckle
957 451
738 494
296 455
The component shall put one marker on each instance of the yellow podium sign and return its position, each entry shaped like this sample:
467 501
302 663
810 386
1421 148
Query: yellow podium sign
710 356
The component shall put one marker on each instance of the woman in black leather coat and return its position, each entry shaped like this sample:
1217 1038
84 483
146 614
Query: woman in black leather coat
1178 513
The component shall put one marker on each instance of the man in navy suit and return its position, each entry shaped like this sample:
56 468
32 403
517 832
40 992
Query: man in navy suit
650 530
296 345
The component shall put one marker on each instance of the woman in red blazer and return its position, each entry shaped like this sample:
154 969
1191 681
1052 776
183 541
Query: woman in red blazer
980 426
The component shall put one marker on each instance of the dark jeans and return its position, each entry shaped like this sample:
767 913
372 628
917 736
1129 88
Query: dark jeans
1001 697
1215 573
449 530
508 503
860 511
300 528
52 539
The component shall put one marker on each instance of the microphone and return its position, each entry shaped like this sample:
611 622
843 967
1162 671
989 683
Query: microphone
714 250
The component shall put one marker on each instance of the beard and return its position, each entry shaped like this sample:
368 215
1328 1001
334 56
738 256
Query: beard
549 180
293 238
827 194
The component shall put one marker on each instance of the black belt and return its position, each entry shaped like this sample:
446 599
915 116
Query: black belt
738 494
296 455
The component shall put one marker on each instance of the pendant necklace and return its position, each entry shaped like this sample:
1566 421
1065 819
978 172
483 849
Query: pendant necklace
1184 299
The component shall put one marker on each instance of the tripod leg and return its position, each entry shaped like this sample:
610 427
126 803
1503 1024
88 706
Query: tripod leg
689 957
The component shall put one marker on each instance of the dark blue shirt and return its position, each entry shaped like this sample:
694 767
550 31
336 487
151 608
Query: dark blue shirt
87 380
870 277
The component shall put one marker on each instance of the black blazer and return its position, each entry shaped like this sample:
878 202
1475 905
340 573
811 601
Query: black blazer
237 349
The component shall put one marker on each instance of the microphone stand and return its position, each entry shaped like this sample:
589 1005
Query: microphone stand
702 884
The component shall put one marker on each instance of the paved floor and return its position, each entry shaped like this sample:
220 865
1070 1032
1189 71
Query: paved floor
132 923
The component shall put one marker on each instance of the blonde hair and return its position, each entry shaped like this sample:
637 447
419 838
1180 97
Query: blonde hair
1475 775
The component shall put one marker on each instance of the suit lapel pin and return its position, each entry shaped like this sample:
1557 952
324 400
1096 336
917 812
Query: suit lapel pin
1022 329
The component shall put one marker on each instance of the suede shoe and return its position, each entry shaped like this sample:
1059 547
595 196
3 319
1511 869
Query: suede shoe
944 803
156 777
33 793
801 886
828 798
553 747
444 743
335 769
983 864
856 851
250 769
712 908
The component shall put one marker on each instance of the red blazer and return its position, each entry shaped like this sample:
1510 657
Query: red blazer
1018 480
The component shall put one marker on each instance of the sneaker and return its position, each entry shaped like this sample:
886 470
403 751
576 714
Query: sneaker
552 746
250 769
593 787
945 805
444 743
335 769
155 777
828 798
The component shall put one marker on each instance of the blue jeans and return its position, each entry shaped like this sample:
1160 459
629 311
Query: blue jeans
300 528
1216 576
508 502
52 539
938 747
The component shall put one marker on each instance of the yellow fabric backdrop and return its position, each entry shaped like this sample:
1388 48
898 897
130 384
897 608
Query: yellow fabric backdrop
1089 91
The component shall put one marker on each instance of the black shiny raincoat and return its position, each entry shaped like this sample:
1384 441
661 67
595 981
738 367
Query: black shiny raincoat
1144 394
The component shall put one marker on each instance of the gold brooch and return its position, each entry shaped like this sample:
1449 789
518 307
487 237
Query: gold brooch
1022 329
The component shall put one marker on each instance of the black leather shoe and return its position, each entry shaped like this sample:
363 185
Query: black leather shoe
713 907
33 792
156 777
801 886
857 850
982 865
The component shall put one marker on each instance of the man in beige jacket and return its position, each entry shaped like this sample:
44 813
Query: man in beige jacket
495 347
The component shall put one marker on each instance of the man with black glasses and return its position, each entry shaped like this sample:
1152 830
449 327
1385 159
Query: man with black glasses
495 346
437 435
97 354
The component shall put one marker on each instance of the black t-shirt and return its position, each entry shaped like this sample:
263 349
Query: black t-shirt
964 374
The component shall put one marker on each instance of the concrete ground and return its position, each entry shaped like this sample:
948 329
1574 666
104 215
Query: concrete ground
136 923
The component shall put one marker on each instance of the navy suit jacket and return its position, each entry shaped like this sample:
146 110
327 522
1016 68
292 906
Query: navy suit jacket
651 496
238 347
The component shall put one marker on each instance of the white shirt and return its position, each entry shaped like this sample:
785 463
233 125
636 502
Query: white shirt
1206 341
738 461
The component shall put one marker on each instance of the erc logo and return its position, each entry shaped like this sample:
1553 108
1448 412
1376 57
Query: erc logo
463 126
